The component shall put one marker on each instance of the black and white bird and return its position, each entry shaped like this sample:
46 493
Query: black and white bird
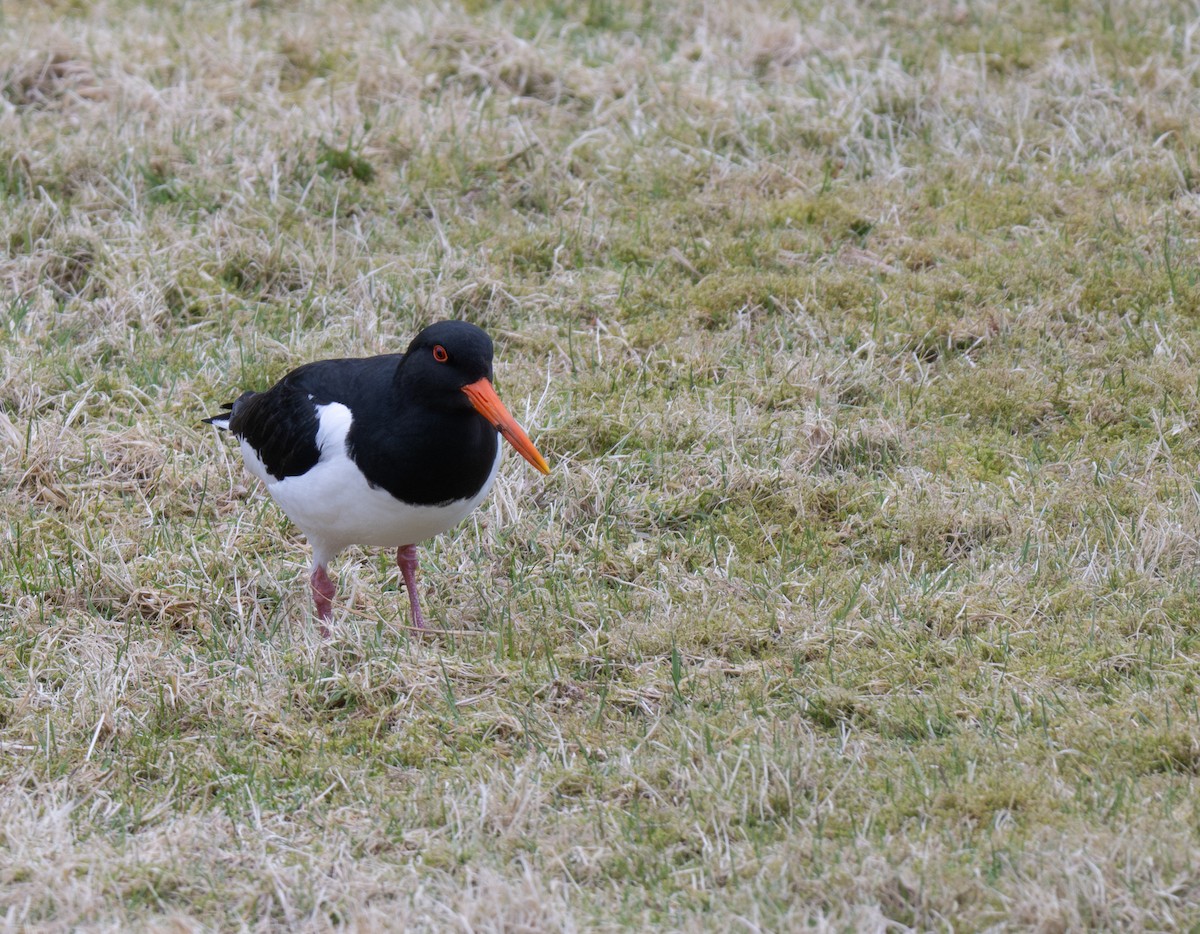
387 451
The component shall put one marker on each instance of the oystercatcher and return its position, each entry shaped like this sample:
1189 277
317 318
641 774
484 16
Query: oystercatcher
387 450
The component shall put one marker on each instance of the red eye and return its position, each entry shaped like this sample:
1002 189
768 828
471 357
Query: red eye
439 353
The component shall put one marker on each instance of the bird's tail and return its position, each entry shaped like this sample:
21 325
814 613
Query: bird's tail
222 421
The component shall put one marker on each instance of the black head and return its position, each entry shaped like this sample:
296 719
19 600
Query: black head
448 367
444 358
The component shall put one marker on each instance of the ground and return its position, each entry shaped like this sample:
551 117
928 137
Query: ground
861 339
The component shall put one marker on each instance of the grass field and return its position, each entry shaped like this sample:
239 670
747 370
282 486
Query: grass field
862 341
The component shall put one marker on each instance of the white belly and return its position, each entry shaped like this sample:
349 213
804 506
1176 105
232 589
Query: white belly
334 506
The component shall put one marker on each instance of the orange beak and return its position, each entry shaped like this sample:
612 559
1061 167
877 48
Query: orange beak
488 404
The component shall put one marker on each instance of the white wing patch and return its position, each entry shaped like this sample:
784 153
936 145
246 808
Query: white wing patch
333 425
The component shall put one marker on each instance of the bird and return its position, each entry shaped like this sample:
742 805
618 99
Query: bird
388 450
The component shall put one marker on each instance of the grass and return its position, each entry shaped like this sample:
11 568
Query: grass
862 341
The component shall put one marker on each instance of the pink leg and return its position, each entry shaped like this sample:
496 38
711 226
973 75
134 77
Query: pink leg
323 591
406 558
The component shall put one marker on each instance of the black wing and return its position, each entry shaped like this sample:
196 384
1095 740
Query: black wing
281 424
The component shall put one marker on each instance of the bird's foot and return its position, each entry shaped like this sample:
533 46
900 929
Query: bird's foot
323 591
406 559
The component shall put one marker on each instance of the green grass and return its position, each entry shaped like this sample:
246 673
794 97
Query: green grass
862 342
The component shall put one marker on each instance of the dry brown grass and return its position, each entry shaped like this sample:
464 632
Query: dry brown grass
862 341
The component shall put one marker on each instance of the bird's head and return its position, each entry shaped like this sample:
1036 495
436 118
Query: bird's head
449 365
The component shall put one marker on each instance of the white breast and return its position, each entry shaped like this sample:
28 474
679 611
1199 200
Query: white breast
334 506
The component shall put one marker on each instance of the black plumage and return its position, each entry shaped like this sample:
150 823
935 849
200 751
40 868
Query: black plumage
421 427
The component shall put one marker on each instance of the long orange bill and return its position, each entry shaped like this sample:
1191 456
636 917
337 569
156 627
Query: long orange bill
488 404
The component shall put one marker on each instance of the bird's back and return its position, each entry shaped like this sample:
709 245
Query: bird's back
282 423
